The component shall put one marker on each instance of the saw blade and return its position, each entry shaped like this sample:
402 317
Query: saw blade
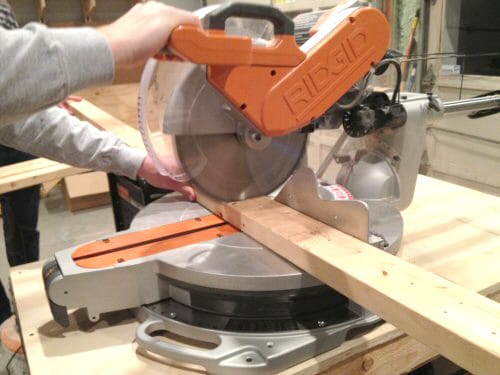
239 166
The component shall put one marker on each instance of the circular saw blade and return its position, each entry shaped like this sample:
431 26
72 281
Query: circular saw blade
228 168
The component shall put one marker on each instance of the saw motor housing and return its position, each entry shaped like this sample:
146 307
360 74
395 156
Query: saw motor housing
281 87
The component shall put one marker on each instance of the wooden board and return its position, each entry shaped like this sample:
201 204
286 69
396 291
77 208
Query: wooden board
103 120
86 190
120 101
459 324
48 186
450 230
33 172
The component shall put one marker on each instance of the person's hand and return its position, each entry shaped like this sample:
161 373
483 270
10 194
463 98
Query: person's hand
67 106
149 172
143 31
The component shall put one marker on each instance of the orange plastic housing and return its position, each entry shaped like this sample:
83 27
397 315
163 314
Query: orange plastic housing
111 251
278 87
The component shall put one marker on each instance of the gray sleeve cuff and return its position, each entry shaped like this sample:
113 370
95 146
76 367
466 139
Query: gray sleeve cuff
127 161
86 56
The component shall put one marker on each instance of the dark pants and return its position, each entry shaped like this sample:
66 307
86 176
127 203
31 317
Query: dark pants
20 220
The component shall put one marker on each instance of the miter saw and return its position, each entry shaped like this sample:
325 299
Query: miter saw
235 123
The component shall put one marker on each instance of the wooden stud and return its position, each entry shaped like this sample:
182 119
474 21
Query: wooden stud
88 7
103 120
41 7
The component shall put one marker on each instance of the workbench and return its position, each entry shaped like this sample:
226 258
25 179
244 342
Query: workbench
449 230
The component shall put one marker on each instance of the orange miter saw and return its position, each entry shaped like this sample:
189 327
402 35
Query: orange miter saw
236 122
231 114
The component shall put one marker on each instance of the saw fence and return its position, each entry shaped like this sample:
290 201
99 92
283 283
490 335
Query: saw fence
450 253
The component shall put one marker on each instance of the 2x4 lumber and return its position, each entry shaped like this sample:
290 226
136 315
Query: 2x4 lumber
29 173
104 121
455 322
88 6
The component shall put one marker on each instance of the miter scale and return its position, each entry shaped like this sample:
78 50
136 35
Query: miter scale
221 124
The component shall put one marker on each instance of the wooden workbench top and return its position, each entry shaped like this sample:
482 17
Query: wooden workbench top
450 230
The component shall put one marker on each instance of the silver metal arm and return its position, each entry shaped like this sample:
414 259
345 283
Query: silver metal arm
473 104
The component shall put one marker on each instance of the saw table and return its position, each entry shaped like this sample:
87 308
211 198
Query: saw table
449 230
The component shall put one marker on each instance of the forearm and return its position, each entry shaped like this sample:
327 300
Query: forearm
40 67
56 135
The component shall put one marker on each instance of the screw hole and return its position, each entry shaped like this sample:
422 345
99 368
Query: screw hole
106 240
65 292
352 19
273 72
249 359
243 106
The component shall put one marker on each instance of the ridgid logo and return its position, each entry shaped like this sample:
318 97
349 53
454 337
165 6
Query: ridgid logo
335 66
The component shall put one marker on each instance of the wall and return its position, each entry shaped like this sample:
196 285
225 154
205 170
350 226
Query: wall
459 149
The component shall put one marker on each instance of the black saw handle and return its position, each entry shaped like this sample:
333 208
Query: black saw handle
216 20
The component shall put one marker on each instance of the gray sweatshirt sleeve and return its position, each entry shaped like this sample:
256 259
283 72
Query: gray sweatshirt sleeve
40 67
56 135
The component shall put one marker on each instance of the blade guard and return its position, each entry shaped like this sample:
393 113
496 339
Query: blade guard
279 87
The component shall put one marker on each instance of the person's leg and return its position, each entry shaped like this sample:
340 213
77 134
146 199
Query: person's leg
20 220
5 311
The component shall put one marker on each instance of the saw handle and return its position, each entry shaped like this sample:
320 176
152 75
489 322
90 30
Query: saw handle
213 47
216 20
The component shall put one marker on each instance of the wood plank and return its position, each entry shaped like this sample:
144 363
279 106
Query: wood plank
399 356
29 176
460 324
119 100
103 120
48 186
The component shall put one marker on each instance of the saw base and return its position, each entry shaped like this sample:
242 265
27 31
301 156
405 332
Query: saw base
244 352
259 312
